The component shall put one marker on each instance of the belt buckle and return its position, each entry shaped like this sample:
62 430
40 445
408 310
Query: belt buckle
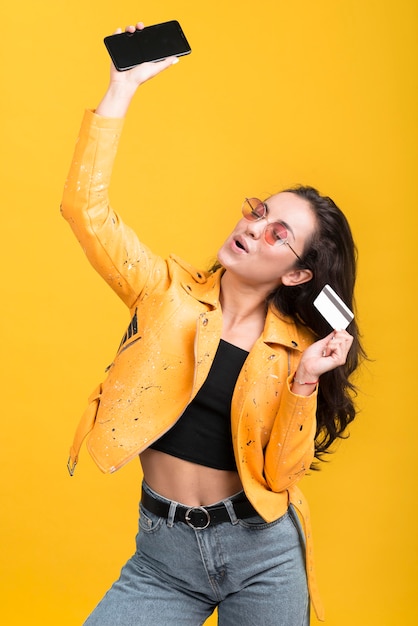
189 521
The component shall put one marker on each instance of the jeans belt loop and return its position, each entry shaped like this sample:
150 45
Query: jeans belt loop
171 514
231 511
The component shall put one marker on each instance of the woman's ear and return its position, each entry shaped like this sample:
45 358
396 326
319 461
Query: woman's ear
296 277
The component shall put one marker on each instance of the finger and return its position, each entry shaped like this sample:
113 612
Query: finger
324 344
164 64
330 344
130 29
339 350
345 338
170 61
139 25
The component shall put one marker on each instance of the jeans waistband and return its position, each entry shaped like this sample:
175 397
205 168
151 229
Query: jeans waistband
198 517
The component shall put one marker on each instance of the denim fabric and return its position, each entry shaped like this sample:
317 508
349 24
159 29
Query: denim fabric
253 571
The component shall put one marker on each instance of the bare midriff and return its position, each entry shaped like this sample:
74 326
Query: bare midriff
186 482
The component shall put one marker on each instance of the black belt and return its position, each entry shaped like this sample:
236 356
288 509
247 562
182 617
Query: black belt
199 517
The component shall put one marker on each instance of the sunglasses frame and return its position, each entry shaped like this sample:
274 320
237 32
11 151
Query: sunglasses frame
252 216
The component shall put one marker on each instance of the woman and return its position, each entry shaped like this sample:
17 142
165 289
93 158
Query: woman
227 383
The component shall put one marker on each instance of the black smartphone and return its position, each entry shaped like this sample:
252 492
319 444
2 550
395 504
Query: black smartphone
152 43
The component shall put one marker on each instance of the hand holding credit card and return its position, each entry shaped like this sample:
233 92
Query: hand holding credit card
333 309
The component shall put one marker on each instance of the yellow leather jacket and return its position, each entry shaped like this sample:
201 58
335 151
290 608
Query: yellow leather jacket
170 344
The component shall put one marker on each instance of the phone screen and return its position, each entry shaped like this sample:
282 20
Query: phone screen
153 43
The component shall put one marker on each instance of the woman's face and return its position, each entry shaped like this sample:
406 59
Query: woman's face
255 262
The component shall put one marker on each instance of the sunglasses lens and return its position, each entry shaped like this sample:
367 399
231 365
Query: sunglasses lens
253 209
275 232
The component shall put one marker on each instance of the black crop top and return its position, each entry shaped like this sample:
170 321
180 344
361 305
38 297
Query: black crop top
203 435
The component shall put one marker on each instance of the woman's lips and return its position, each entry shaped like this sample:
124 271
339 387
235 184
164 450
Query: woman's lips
240 244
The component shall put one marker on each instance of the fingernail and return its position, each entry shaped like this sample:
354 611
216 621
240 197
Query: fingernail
175 60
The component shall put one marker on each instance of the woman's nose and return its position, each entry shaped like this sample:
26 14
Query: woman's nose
256 229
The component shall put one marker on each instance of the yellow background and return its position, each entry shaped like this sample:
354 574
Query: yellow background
274 93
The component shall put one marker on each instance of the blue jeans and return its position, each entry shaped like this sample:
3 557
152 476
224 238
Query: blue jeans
252 571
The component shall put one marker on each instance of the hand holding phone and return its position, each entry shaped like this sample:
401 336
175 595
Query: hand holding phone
152 43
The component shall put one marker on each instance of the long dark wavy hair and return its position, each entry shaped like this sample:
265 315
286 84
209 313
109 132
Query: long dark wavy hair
331 255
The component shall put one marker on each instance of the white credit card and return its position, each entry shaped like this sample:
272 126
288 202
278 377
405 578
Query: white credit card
330 305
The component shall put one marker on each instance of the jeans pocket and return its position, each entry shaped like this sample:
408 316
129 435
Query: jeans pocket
258 523
149 522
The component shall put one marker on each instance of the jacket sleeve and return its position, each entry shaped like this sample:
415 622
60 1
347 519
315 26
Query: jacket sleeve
112 247
290 450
